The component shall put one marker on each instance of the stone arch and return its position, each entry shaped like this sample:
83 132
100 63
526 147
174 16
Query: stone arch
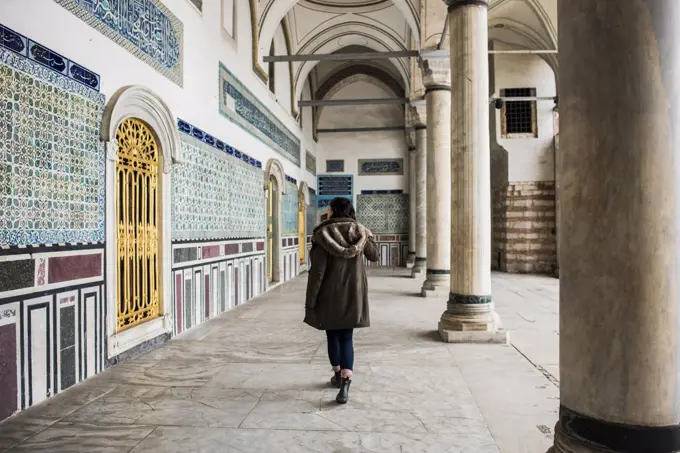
330 43
357 73
303 192
275 169
142 103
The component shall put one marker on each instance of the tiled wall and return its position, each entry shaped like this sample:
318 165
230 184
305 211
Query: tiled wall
52 193
217 191
290 220
386 215
210 278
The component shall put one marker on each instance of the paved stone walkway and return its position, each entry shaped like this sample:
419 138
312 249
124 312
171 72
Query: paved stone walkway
255 380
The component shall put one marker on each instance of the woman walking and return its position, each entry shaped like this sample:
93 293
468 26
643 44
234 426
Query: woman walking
337 289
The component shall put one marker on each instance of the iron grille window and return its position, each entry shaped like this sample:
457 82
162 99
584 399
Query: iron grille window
519 117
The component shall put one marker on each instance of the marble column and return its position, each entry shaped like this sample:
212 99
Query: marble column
411 206
470 314
619 226
437 79
421 202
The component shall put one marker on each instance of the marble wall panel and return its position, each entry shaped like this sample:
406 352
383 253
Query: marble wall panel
210 285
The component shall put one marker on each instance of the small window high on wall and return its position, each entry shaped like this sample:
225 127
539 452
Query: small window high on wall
272 84
518 118
198 4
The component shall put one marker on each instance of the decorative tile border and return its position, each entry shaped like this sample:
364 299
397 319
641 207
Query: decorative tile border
18 43
310 162
218 144
145 28
34 212
380 167
239 105
335 166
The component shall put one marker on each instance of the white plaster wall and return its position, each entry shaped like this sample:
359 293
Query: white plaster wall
529 159
365 145
362 115
308 142
281 72
205 45
353 146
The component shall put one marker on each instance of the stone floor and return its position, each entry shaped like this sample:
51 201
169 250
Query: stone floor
255 380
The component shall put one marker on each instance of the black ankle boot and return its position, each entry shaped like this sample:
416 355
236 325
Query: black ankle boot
343 394
336 380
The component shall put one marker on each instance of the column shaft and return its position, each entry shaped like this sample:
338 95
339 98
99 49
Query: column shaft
438 101
421 202
470 315
619 226
411 207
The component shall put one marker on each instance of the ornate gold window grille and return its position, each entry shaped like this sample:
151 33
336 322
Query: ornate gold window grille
137 220
301 226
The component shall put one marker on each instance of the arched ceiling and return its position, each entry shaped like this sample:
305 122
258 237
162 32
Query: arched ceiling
333 26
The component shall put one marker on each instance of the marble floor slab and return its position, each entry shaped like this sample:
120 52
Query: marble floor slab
256 379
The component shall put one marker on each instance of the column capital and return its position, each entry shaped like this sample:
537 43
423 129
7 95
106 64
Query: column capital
410 135
436 74
455 4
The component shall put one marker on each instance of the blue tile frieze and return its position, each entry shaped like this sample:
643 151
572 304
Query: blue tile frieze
385 214
145 28
21 45
239 105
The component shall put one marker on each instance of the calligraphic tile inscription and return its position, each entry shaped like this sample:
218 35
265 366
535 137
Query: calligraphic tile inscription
381 167
310 163
242 107
146 28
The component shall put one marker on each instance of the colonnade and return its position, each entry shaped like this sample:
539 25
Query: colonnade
619 232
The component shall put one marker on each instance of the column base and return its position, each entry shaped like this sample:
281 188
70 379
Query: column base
419 267
436 284
565 444
471 322
411 260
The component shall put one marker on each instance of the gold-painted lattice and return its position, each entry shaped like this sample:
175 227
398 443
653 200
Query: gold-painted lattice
137 220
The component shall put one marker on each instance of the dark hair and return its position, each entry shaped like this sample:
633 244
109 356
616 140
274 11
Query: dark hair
342 208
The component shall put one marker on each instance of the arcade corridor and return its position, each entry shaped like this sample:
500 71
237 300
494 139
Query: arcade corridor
254 380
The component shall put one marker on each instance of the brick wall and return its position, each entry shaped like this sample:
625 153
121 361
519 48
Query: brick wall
524 239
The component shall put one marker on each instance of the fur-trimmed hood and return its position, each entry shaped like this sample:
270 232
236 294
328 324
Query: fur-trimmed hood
342 237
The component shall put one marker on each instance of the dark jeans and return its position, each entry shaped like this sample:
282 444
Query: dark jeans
340 348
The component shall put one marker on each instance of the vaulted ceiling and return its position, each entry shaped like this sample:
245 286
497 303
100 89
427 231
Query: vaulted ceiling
329 26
